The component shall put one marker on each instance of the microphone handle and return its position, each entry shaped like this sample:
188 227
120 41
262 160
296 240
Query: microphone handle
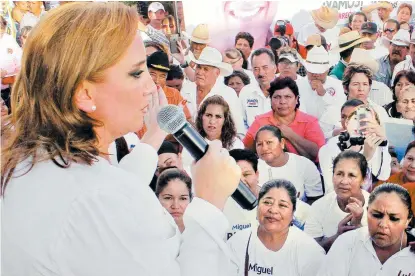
194 143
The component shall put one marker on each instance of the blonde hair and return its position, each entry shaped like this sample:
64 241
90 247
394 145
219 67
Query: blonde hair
73 43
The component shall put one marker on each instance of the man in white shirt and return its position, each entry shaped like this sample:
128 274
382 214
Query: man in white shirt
408 63
209 67
319 92
324 22
255 98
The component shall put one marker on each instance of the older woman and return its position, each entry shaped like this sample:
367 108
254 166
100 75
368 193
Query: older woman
275 163
357 82
275 247
174 190
406 103
343 209
84 83
214 122
406 177
381 247
402 79
302 132
237 80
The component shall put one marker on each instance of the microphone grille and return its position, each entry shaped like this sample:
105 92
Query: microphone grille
171 118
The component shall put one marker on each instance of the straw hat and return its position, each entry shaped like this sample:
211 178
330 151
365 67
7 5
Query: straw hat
325 17
317 61
200 34
212 57
363 57
348 40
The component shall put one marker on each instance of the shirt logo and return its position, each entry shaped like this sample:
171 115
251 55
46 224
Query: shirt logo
331 91
261 270
403 274
252 102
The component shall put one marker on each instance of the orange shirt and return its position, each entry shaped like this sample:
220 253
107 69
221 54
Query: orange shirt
173 97
399 179
303 125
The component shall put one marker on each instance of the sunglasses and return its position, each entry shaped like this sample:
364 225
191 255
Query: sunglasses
389 30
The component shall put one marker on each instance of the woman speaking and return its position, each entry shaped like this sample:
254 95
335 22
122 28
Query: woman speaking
65 209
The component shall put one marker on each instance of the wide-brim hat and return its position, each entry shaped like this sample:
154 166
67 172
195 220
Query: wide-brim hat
348 40
317 61
212 57
325 17
363 57
199 35
401 38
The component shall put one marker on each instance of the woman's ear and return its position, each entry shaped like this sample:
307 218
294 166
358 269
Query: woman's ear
282 143
85 97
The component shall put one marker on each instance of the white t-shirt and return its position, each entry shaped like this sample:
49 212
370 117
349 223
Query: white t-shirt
406 64
379 165
254 103
380 93
325 216
189 93
317 105
352 254
239 218
299 170
300 254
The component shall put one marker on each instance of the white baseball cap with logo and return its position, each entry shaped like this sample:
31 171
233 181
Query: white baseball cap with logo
156 6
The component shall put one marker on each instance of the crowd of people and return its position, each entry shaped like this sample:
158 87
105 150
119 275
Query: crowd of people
304 118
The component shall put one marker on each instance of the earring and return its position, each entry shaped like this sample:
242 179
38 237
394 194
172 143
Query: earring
94 108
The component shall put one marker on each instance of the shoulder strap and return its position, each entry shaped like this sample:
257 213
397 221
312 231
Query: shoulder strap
247 256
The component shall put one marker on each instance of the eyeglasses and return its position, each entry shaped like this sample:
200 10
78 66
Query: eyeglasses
389 30
287 63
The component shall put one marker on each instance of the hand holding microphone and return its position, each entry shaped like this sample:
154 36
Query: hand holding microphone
216 174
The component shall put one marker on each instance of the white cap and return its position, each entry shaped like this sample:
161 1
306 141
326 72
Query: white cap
155 6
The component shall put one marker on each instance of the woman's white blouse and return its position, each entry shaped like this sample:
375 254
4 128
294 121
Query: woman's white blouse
300 254
352 254
105 220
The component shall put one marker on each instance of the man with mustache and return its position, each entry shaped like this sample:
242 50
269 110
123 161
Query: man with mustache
398 49
255 98
409 62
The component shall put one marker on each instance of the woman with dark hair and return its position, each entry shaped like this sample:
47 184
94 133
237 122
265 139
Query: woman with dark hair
302 132
237 80
275 246
214 122
276 163
344 208
402 79
383 246
406 177
174 190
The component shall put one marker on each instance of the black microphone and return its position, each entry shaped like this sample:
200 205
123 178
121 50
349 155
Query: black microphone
172 120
